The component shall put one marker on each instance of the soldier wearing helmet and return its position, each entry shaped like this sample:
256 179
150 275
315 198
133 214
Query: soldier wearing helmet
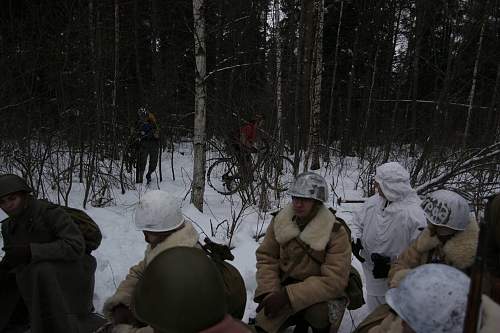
385 225
450 237
148 140
47 279
303 262
171 298
159 216
431 298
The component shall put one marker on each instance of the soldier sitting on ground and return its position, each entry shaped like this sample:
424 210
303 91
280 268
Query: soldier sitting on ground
450 237
431 298
182 291
47 279
160 218
303 264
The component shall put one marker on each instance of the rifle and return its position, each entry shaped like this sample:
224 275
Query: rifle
476 278
341 200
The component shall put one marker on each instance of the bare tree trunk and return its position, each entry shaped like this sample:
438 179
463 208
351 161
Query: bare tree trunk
370 96
298 98
315 86
334 80
198 187
155 54
419 15
277 37
138 72
473 87
346 147
114 125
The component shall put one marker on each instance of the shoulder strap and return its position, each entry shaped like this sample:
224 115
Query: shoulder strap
294 264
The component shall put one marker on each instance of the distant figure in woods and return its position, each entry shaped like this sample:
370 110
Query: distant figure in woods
148 140
384 226
244 144
303 264
46 276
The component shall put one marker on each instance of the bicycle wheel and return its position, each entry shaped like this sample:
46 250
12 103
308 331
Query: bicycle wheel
223 176
279 175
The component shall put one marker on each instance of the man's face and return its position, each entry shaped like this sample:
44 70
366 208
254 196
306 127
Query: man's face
12 203
154 238
443 233
379 190
302 206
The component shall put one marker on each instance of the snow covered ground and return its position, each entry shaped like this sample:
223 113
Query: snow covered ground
123 246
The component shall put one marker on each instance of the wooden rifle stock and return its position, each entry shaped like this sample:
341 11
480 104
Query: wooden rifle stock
476 282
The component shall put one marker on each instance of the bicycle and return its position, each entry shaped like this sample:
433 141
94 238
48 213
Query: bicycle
266 167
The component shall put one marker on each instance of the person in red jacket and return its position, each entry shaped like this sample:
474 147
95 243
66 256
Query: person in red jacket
244 145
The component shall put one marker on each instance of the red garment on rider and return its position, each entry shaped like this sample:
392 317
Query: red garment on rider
228 324
249 131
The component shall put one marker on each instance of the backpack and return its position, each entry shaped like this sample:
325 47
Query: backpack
354 289
89 229
234 285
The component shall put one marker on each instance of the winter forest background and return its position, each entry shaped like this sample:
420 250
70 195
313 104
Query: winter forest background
414 80
344 86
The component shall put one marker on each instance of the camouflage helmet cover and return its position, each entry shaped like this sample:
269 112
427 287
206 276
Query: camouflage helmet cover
181 292
446 208
10 183
309 185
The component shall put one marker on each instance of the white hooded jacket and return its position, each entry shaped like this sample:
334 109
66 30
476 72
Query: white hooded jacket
387 226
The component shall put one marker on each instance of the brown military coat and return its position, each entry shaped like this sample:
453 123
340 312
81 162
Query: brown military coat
317 281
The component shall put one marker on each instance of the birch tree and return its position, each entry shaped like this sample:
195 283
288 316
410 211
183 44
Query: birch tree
473 86
315 87
198 186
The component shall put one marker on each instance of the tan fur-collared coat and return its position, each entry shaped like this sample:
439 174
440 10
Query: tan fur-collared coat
458 252
186 236
317 282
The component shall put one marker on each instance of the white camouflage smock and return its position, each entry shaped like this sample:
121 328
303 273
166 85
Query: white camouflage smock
387 226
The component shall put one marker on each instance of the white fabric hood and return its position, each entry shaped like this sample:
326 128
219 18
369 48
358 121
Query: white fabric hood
394 181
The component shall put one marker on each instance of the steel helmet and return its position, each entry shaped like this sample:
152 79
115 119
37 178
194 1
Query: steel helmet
158 211
431 298
446 208
11 183
181 291
309 185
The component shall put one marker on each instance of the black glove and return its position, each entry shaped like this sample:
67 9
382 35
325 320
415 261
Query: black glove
356 247
122 315
17 255
274 303
382 264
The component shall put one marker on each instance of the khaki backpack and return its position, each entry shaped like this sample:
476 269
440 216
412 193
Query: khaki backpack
89 229
234 285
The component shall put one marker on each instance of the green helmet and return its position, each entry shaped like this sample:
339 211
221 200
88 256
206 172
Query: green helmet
181 291
11 183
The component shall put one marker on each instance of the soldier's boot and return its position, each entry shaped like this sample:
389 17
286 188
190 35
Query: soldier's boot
148 178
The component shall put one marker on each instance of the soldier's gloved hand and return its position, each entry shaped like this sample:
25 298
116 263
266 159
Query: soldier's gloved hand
16 255
122 315
356 247
382 264
275 303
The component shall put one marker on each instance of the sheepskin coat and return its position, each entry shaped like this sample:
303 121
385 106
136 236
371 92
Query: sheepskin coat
187 236
316 281
458 252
